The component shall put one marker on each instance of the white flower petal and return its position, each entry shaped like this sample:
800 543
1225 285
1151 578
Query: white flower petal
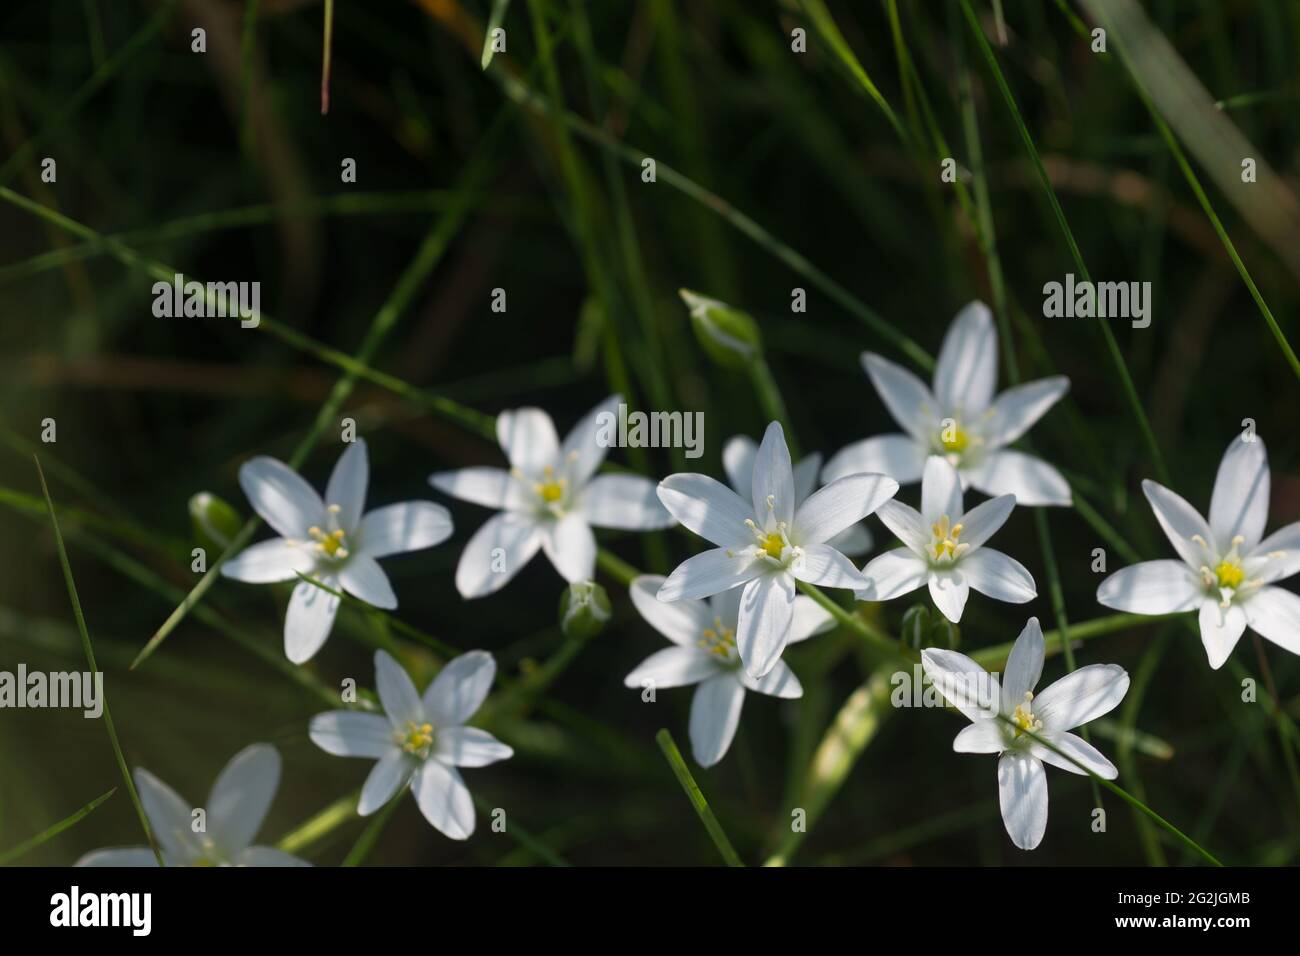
766 612
1074 746
1239 504
805 476
810 618
125 856
571 547
397 693
823 566
490 487
586 446
773 478
1151 587
738 456
901 457
780 681
998 576
1015 410
350 733
624 501
1221 628
1179 521
269 561
983 521
347 484
460 688
1275 614
241 797
281 496
1024 666
725 606
949 591
406 526
940 491
1284 546
963 683
384 780
169 818
907 524
527 436
966 371
364 579
855 541
1022 795
496 553
1033 481
682 622
838 506
985 736
709 572
444 799
1080 696
893 574
906 396
469 747
309 619
707 507
715 714
673 667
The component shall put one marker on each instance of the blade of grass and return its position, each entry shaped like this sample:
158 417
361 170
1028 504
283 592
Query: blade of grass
696 797
495 19
374 829
51 832
94 669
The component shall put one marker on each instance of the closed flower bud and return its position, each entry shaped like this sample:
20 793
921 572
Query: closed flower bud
584 610
729 336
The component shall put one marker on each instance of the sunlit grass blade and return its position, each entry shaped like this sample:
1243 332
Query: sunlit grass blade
49 833
373 831
94 669
696 797
495 19
320 825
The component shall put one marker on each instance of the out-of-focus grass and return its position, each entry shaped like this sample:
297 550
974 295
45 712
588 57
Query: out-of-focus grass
775 170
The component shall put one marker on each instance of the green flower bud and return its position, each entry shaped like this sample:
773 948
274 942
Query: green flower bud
729 336
215 522
915 626
584 610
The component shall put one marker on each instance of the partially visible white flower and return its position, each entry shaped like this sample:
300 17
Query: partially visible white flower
232 816
738 460
960 419
765 544
419 741
1000 716
704 653
944 548
329 540
1226 572
549 499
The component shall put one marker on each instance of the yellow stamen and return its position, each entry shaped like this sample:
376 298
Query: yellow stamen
1229 574
773 544
417 739
954 439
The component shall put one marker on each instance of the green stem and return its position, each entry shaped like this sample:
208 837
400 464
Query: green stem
696 797
51 832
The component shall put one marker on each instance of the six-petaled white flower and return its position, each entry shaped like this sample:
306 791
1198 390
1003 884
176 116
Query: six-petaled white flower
1004 718
738 460
231 818
767 543
1226 572
330 540
548 499
944 548
419 740
704 653
960 419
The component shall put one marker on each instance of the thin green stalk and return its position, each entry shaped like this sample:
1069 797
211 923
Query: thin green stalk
327 53
770 400
94 668
374 829
49 833
495 19
868 632
694 794
320 825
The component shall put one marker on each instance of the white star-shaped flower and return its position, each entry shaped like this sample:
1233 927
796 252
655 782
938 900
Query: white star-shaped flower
232 816
329 540
767 543
1001 715
419 740
549 499
960 419
704 653
944 548
738 461
1226 572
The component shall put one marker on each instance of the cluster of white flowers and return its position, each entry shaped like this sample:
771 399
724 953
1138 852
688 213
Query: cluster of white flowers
731 610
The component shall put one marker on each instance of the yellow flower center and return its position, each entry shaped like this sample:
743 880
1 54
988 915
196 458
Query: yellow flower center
1024 718
417 738
773 544
945 544
550 489
1229 574
331 543
953 439
719 640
